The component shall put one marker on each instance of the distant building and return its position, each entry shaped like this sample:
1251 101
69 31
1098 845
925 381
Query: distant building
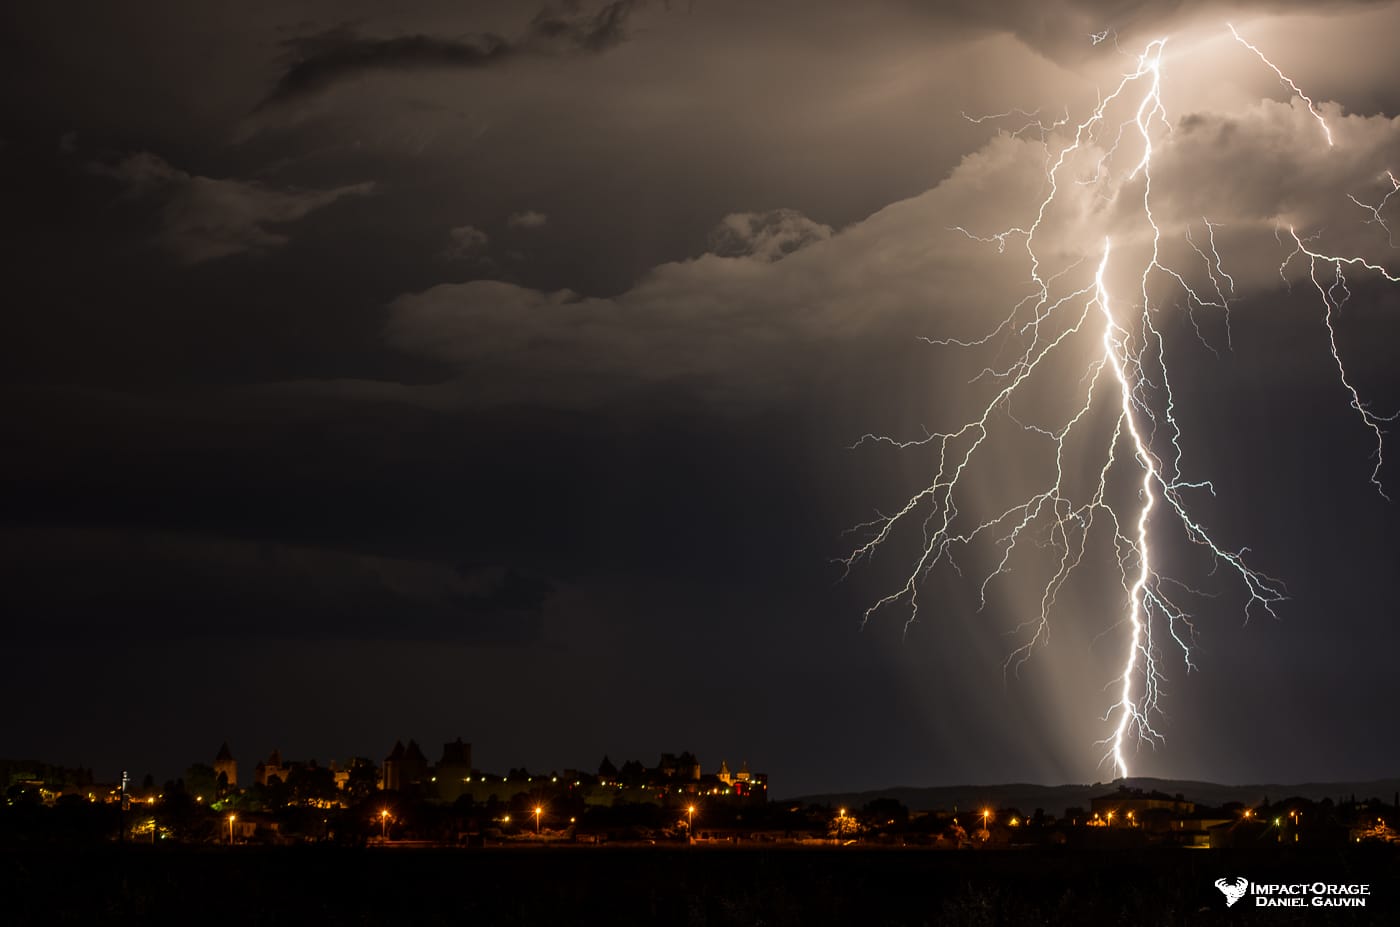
389 775
453 771
671 766
743 782
271 768
1129 803
405 767
226 766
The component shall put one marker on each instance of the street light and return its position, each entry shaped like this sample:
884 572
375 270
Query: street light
231 819
986 816
384 825
690 823
538 811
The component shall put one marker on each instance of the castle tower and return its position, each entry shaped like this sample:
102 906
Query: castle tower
452 770
414 766
456 760
225 765
393 768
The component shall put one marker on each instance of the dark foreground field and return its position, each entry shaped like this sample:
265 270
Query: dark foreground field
529 886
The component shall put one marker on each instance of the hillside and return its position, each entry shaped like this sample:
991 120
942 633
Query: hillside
1054 799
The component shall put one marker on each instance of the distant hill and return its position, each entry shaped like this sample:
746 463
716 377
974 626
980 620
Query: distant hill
1054 799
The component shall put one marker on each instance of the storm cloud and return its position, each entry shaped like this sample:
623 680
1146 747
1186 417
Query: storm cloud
339 55
421 353
777 286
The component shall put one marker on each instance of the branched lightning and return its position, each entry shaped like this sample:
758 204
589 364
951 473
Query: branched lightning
1111 152
1377 211
1334 294
1286 81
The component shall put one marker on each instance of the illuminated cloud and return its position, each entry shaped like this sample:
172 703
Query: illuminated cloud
712 323
1266 165
778 284
766 236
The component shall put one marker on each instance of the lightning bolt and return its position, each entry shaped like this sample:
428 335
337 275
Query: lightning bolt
1111 155
1287 82
1377 210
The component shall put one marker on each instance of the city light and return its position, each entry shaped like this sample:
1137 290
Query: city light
1180 821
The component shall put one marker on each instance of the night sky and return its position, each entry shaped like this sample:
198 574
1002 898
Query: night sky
474 369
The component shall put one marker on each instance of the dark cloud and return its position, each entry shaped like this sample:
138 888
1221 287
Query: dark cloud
338 55
597 32
466 242
303 451
203 218
177 585
529 219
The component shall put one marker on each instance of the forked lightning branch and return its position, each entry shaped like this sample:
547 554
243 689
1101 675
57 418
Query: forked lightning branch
1125 381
